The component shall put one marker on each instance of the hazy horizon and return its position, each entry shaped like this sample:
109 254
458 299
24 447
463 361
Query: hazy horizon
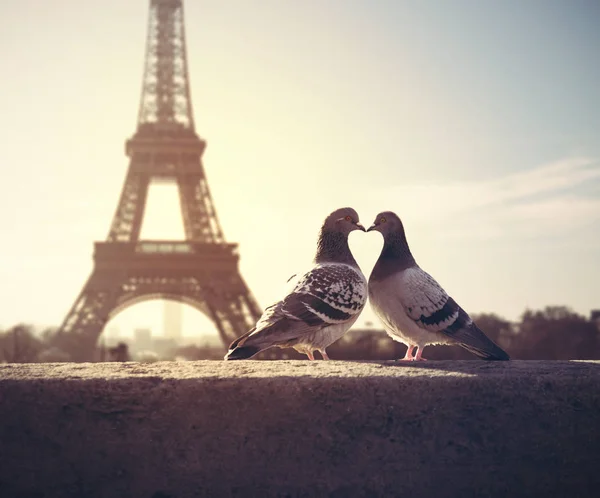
477 122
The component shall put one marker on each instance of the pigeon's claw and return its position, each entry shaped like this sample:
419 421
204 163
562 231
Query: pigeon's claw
418 356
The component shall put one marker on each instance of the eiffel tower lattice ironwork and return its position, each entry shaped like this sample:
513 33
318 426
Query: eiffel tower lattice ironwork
203 269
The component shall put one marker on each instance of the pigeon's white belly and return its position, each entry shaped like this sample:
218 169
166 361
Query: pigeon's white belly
386 301
322 338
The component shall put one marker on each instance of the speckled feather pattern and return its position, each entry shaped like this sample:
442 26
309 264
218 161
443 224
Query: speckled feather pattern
323 305
413 307
341 286
425 301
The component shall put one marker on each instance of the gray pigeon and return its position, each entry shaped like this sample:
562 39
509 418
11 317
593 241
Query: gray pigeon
413 307
322 306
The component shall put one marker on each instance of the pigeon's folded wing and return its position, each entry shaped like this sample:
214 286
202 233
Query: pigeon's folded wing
424 301
428 304
432 309
326 295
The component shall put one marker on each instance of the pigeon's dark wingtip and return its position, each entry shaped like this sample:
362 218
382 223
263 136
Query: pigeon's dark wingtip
489 353
504 357
243 353
496 354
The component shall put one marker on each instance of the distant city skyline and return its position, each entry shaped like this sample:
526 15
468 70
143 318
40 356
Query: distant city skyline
151 315
143 338
477 122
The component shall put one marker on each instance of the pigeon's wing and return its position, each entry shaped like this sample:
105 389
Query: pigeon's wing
426 302
326 295
432 309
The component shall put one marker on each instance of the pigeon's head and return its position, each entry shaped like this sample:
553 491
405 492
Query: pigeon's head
385 223
343 220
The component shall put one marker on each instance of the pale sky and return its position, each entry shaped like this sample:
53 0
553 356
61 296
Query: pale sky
477 121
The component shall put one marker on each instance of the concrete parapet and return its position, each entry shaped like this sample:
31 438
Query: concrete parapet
300 428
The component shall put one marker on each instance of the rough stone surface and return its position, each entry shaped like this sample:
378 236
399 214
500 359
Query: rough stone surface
299 428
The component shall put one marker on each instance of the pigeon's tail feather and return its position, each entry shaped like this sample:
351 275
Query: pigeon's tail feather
237 351
237 342
474 340
485 354
254 341
242 353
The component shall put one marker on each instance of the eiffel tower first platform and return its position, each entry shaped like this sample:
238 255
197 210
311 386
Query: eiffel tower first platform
203 269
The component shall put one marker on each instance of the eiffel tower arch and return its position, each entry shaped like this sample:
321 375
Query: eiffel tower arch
201 270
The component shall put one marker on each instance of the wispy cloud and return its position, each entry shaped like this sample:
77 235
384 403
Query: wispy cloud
548 196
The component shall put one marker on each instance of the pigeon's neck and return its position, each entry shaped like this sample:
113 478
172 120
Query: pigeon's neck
395 256
395 247
333 247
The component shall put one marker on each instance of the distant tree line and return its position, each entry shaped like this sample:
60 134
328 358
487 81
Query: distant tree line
554 333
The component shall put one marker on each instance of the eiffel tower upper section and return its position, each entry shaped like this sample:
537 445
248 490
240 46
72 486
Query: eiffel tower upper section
165 104
165 145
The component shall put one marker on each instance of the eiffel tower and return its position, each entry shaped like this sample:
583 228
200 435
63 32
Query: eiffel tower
201 270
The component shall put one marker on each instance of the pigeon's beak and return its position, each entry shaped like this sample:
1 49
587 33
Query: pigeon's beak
372 227
360 227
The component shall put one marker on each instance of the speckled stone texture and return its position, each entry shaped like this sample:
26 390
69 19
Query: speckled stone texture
300 429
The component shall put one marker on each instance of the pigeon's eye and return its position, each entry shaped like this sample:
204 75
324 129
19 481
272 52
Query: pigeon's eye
348 218
382 219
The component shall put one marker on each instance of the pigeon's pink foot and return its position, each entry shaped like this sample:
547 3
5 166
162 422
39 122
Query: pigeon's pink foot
418 356
408 356
310 355
324 355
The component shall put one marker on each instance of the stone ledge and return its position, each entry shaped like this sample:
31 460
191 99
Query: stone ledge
299 428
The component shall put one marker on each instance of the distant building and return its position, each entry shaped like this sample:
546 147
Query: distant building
163 346
119 353
142 339
173 319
